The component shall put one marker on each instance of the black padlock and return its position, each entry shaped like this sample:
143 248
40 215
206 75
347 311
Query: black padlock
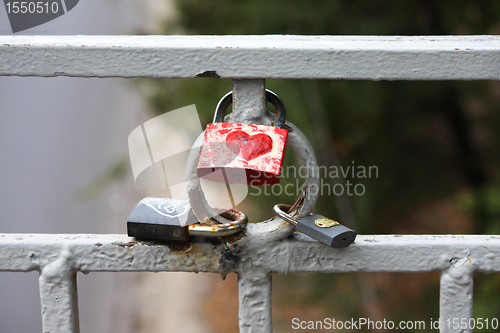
322 229
169 219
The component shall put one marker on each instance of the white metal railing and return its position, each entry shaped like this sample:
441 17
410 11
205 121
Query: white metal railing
59 257
286 57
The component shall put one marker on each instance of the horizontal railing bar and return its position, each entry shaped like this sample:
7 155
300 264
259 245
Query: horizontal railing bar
286 57
378 253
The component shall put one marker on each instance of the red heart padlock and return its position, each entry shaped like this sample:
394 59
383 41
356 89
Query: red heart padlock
243 153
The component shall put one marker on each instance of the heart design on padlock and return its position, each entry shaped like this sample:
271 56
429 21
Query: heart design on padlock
250 146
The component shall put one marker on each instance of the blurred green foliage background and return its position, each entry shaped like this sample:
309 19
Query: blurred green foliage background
436 144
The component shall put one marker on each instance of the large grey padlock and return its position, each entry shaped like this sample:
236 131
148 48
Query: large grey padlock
169 219
322 229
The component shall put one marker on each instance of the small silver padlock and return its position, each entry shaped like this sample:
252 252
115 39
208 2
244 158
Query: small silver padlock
322 229
168 219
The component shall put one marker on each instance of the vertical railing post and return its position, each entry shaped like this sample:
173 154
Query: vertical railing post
59 297
455 303
249 101
254 314
254 285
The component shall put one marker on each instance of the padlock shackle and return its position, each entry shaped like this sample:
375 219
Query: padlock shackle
238 218
283 211
279 106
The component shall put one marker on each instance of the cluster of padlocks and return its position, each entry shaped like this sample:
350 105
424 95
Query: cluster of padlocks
232 153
